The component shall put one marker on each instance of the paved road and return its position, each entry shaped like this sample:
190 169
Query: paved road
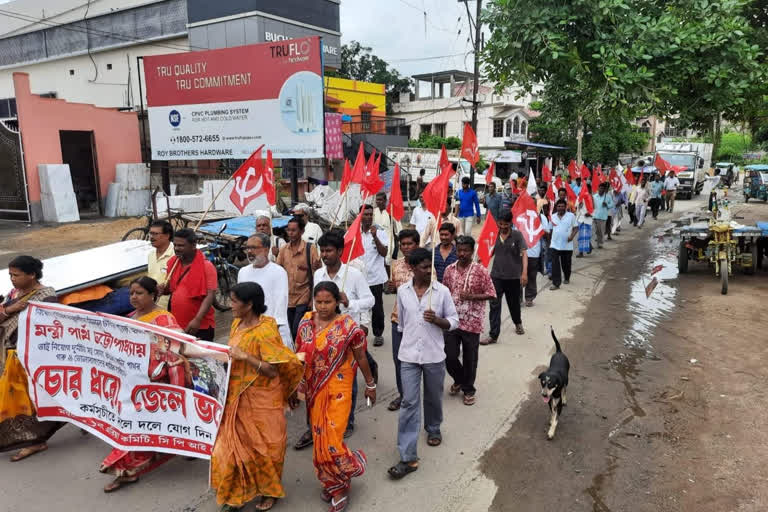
450 477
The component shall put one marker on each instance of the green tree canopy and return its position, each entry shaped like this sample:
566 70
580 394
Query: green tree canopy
692 58
359 63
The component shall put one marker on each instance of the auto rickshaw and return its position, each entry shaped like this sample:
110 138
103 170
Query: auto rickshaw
756 182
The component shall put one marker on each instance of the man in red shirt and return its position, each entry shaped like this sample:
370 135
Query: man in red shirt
192 284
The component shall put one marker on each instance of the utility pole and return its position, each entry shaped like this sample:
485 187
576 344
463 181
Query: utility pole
476 79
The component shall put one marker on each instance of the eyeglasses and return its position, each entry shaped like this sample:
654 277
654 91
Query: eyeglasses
253 247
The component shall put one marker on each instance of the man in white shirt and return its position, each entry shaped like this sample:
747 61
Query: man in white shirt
312 232
384 220
375 243
273 280
264 225
160 236
670 186
564 229
425 309
420 217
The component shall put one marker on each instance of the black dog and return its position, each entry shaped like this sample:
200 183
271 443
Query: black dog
554 383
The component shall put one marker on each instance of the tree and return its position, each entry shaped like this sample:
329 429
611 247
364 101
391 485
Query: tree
358 63
693 58
430 141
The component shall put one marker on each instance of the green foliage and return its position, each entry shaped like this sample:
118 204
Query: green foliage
694 58
733 146
429 141
605 136
358 63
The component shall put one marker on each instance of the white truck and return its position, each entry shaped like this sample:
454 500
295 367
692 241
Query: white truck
694 159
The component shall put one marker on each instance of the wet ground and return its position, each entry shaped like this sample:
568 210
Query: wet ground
666 410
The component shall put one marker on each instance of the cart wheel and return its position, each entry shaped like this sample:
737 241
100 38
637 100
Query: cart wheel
136 234
682 258
227 280
724 277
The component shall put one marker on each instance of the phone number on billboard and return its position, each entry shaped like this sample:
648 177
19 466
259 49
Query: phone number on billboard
186 139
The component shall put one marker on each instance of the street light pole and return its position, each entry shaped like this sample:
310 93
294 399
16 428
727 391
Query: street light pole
476 79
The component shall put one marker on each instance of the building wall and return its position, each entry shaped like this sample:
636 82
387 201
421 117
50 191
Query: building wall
112 87
354 93
454 113
116 136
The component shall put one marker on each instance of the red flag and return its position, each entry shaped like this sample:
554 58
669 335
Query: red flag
487 240
558 183
469 148
586 197
657 269
629 175
651 286
353 240
527 220
661 164
249 181
570 195
269 178
546 173
371 182
584 172
600 175
572 170
444 158
346 177
678 168
396 209
358 171
615 180
489 173
436 192
371 162
551 194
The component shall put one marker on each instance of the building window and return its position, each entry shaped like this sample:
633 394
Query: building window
498 127
516 126
524 128
365 117
439 129
405 130
426 129
109 67
7 108
509 128
71 72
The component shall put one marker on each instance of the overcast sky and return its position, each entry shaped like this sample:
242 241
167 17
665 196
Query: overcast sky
395 31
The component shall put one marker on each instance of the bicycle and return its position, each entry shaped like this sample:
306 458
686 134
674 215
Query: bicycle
223 255
175 217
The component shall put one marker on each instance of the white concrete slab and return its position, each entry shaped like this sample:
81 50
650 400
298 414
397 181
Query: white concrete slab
133 176
57 196
133 203
110 204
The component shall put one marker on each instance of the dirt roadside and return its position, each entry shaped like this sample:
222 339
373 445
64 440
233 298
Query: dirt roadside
664 407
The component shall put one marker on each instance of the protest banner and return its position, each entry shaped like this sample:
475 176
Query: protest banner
135 385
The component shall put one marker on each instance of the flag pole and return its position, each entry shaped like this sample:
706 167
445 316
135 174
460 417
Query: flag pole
391 240
341 202
199 223
346 269
432 267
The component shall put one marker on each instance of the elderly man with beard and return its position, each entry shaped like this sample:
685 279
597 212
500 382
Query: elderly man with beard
264 225
271 277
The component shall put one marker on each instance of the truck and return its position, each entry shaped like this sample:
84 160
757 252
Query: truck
692 160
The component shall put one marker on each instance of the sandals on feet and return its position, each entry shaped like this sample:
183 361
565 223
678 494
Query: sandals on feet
28 452
395 404
304 441
267 502
488 341
455 388
519 329
434 439
401 469
338 505
119 482
469 399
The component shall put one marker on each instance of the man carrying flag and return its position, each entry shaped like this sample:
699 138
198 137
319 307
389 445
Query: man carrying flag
533 226
584 220
375 246
509 274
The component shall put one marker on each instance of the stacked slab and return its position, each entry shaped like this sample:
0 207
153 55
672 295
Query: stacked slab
57 195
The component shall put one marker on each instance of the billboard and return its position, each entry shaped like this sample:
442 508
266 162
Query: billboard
221 104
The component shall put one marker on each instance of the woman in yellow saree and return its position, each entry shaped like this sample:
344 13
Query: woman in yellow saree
332 346
248 456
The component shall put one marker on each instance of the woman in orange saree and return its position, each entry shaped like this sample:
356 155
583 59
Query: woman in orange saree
124 465
248 456
332 346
